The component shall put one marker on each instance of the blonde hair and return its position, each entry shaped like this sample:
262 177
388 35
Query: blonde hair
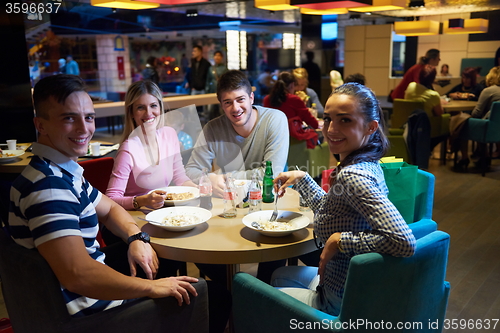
493 77
134 92
335 79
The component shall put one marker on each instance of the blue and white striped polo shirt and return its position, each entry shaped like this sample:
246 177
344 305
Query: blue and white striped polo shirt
51 199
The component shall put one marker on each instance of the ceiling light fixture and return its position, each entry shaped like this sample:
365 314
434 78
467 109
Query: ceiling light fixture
176 2
191 12
274 5
381 5
333 11
416 28
329 4
471 26
124 4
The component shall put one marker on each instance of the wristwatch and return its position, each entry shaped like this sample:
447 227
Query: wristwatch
140 236
135 203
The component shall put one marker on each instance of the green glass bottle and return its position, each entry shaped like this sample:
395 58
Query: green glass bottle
267 184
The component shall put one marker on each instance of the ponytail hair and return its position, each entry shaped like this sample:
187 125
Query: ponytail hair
431 54
277 95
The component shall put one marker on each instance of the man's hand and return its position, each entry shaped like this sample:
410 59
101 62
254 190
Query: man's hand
218 184
177 286
142 254
329 251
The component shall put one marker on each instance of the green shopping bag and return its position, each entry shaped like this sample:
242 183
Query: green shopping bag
401 180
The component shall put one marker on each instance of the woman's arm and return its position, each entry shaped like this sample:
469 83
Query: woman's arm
389 234
122 170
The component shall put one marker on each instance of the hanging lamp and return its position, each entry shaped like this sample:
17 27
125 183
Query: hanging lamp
274 4
124 4
416 28
470 26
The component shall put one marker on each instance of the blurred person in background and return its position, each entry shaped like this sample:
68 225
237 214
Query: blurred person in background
217 70
282 97
445 71
150 72
357 78
308 95
313 71
72 66
431 58
468 89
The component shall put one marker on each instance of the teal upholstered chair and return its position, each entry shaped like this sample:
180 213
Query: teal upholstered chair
314 161
485 131
379 288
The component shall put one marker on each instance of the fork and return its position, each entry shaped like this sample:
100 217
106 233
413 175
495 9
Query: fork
275 212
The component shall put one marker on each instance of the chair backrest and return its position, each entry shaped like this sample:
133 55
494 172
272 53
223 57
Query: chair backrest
395 290
402 109
30 289
493 131
97 171
424 193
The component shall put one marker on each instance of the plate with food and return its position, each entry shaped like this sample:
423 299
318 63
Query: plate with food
178 218
7 155
286 223
179 195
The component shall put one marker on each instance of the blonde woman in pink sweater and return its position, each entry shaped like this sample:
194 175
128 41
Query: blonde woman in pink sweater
149 155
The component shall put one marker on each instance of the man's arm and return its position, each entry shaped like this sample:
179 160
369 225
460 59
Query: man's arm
120 223
201 157
81 274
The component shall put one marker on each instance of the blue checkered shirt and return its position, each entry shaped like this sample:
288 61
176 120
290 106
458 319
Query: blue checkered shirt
357 206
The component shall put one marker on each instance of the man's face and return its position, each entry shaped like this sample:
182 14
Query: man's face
196 53
237 106
70 126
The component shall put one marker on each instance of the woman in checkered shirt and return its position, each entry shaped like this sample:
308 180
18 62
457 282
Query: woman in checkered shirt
355 216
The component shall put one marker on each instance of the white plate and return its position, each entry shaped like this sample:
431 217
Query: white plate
156 217
6 158
297 220
179 189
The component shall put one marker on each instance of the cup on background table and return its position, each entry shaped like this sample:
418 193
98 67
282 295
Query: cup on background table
12 144
95 148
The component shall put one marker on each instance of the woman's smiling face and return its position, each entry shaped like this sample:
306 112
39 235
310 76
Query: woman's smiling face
146 111
344 125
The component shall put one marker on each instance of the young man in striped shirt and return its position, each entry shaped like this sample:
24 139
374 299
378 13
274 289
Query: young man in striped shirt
55 210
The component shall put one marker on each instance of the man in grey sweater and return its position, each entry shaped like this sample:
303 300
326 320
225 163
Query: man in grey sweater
241 139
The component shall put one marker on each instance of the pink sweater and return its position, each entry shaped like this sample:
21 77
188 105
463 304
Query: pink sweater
132 174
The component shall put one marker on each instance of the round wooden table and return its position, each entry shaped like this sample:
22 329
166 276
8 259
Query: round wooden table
229 241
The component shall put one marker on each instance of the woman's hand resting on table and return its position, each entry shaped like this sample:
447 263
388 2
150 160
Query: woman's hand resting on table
329 251
287 179
155 199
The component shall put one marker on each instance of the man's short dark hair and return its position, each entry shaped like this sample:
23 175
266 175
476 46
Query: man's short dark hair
219 52
358 78
233 80
59 86
198 47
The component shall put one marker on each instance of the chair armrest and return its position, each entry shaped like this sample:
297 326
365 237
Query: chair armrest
422 228
259 307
